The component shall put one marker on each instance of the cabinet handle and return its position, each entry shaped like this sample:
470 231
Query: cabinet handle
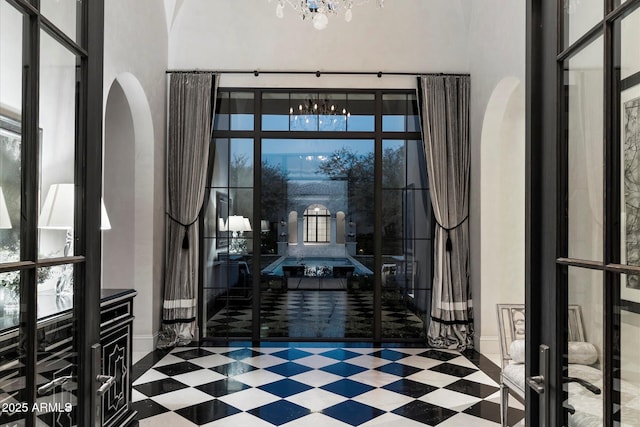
53 384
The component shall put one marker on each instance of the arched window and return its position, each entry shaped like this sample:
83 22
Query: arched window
317 224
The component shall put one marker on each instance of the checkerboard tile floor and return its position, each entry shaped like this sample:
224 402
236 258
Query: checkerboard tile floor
317 385
318 314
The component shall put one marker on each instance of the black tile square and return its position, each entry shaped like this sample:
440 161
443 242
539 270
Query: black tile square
147 408
243 353
207 412
155 388
343 369
292 354
285 388
340 354
347 388
398 369
389 354
352 412
410 388
192 354
178 368
279 412
288 369
439 355
424 412
222 387
486 410
454 370
472 388
233 369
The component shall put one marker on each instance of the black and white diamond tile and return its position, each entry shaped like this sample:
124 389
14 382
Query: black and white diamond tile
317 384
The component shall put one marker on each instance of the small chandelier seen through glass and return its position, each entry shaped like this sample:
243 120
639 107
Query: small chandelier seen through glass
318 11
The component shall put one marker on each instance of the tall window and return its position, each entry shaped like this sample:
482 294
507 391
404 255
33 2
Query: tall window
306 165
317 224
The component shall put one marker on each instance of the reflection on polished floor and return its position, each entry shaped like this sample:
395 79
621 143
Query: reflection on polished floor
317 384
318 314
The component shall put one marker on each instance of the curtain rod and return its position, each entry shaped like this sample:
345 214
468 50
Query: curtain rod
319 73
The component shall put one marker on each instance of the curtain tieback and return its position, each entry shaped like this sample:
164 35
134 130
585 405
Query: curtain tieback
448 245
185 239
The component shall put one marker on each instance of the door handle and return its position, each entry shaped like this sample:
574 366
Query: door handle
539 384
107 382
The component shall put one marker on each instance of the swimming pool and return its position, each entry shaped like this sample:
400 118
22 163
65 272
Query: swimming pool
316 266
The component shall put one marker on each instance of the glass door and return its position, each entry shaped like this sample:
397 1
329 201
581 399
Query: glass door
583 266
49 224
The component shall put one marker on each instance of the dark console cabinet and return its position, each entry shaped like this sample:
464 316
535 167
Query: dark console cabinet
116 323
57 361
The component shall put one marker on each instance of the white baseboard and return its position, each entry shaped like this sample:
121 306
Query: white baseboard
489 345
144 343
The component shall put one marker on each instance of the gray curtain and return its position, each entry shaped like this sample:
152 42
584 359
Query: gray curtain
190 121
445 124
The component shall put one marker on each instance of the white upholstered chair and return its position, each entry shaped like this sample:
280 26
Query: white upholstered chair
511 328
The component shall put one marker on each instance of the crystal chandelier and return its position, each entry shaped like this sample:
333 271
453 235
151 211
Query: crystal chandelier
318 11
323 114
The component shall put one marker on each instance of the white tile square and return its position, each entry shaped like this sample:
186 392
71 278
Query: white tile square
242 419
482 378
363 350
467 420
249 399
203 376
169 359
369 362
211 361
150 375
375 378
411 351
463 361
258 377
316 399
315 420
450 399
269 350
419 362
433 378
264 361
316 361
389 419
320 350
181 349
182 398
316 378
167 419
383 399
137 396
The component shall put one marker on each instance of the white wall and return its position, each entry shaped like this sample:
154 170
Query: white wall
136 53
496 49
411 35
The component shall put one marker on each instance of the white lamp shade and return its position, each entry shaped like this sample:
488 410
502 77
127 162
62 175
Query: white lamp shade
264 225
221 225
5 221
235 223
105 224
57 210
58 207
247 224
